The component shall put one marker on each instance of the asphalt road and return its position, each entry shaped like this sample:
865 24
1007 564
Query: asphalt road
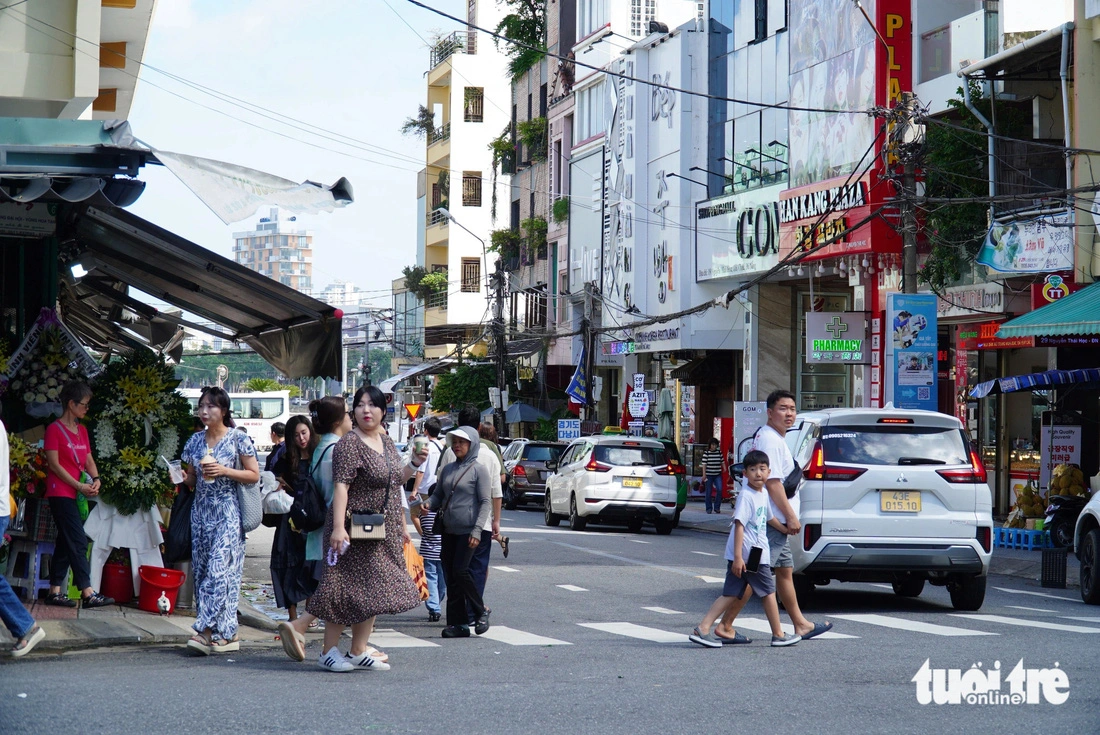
590 635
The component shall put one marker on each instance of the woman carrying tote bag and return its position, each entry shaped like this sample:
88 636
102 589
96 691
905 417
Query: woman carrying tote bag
218 458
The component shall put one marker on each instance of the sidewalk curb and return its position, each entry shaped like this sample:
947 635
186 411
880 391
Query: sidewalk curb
251 616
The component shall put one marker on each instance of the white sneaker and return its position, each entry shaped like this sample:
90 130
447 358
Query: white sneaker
335 661
367 662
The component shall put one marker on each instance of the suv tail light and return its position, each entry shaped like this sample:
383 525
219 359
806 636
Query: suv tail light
985 538
520 471
818 470
594 466
672 468
975 473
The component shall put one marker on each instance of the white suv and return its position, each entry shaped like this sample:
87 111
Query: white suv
894 496
612 479
1086 545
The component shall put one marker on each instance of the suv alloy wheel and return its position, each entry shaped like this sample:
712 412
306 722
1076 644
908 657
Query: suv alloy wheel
1090 567
967 593
576 522
549 517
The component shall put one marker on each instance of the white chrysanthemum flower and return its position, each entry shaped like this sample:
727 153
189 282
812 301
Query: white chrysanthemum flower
52 382
105 439
40 398
17 385
28 397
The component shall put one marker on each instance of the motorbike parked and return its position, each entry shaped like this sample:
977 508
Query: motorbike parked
1061 518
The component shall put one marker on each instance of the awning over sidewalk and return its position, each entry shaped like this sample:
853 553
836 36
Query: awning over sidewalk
1078 313
433 367
297 334
1048 380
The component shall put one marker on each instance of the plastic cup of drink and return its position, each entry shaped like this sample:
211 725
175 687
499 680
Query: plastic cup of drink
420 443
175 472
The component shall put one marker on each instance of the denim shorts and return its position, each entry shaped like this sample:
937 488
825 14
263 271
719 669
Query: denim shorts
762 582
779 544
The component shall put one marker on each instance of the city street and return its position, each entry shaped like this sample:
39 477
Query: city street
590 635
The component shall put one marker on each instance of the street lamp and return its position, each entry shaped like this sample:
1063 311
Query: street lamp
685 178
484 257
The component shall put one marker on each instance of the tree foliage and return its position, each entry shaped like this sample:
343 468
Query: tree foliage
525 24
421 125
467 384
956 165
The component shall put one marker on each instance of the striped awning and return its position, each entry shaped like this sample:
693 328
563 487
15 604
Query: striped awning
1048 380
1078 313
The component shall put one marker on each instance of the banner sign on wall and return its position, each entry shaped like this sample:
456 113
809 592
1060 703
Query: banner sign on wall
911 350
1038 245
837 337
1052 288
1059 443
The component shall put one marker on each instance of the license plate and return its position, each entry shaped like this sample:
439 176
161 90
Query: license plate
632 482
899 501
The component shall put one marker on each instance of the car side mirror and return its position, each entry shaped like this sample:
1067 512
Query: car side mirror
552 466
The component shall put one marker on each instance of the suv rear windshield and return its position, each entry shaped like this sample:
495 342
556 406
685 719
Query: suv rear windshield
620 456
542 453
893 445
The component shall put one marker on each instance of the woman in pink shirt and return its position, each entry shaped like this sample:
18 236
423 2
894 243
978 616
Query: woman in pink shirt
72 470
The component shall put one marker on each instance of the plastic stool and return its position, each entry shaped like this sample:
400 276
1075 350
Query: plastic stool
22 557
45 550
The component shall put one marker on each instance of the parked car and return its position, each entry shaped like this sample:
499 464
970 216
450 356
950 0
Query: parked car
896 496
612 479
1086 545
525 466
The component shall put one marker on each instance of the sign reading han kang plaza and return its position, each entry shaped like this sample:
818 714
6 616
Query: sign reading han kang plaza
828 219
837 337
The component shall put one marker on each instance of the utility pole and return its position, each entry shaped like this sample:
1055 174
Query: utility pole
498 283
589 358
908 146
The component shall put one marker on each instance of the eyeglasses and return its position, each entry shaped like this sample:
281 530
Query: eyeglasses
85 404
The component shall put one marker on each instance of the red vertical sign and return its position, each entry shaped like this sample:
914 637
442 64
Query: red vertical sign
894 62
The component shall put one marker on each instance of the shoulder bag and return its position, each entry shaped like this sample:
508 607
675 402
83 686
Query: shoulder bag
251 504
367 525
792 480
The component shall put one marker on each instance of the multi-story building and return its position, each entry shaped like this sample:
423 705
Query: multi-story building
83 65
468 94
277 251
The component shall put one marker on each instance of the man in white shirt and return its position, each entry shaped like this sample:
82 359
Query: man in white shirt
426 473
770 440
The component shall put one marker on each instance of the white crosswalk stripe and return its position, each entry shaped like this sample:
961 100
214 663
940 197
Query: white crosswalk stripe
1035 594
1032 609
389 638
711 580
630 630
505 569
703 553
572 588
513 637
1046 625
663 610
1083 619
911 625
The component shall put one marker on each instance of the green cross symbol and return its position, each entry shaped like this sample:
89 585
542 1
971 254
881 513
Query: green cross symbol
837 327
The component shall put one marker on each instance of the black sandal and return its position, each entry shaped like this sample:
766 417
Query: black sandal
60 599
96 600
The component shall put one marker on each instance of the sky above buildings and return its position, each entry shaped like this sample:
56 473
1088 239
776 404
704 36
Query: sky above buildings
339 69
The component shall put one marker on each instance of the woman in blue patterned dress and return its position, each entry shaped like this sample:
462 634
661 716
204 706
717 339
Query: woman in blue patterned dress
217 458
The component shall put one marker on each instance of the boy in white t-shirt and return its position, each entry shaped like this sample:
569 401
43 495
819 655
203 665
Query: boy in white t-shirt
751 518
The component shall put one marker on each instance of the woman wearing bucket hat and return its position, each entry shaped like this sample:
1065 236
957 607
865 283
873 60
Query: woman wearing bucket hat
462 498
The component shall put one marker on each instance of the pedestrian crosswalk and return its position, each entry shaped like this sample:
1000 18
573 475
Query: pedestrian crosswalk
654 625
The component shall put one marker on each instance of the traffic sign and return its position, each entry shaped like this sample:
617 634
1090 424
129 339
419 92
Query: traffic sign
414 410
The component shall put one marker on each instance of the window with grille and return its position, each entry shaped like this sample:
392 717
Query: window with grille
535 313
471 188
475 104
471 275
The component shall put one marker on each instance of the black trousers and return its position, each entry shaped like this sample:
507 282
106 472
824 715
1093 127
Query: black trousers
71 547
479 568
461 586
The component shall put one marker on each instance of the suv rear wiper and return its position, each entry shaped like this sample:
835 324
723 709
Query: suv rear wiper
920 460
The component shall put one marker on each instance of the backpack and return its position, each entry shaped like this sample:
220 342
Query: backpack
309 510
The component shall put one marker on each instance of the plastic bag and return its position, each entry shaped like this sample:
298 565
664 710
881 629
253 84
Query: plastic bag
278 502
177 542
414 564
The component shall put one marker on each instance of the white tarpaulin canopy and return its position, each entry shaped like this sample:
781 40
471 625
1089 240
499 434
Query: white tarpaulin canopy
235 193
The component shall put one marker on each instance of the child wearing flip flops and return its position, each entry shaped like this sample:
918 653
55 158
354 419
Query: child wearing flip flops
747 541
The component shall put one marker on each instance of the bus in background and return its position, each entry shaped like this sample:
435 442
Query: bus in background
253 412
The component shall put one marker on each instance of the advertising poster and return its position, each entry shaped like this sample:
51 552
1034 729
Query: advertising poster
748 417
1030 246
1059 443
911 350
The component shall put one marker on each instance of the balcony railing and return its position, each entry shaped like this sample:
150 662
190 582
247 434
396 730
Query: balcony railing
443 132
436 217
437 301
459 42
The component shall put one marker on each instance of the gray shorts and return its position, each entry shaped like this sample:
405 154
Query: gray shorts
779 545
762 582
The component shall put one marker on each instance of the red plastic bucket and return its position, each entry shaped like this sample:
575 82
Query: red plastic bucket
154 581
117 582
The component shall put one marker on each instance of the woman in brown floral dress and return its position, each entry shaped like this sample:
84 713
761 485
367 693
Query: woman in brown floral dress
369 578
